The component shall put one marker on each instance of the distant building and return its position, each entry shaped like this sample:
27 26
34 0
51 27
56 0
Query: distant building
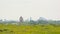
21 19
1 20
42 18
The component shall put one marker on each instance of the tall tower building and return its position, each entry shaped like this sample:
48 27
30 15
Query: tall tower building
21 19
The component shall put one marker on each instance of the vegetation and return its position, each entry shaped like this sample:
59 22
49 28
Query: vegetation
30 27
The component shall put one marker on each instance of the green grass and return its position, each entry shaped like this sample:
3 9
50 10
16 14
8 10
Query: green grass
29 29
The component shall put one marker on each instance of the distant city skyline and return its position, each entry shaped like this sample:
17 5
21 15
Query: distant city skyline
13 9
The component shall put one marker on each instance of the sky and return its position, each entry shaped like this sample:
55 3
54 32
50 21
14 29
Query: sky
13 9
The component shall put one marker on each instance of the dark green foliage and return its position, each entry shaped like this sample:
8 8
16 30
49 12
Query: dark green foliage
1 30
5 29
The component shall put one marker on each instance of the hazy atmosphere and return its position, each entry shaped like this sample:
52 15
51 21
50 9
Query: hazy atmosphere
13 9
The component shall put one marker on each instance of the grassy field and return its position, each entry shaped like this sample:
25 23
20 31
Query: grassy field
29 29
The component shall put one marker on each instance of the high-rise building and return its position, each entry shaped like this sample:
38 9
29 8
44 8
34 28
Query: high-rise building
21 19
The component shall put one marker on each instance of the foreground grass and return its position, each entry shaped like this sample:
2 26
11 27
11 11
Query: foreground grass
29 29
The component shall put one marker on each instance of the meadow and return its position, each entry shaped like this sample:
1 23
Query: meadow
29 29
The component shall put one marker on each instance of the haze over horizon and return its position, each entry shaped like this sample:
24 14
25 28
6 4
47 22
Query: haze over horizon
13 9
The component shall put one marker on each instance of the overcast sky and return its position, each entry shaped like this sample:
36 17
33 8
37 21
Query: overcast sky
13 9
